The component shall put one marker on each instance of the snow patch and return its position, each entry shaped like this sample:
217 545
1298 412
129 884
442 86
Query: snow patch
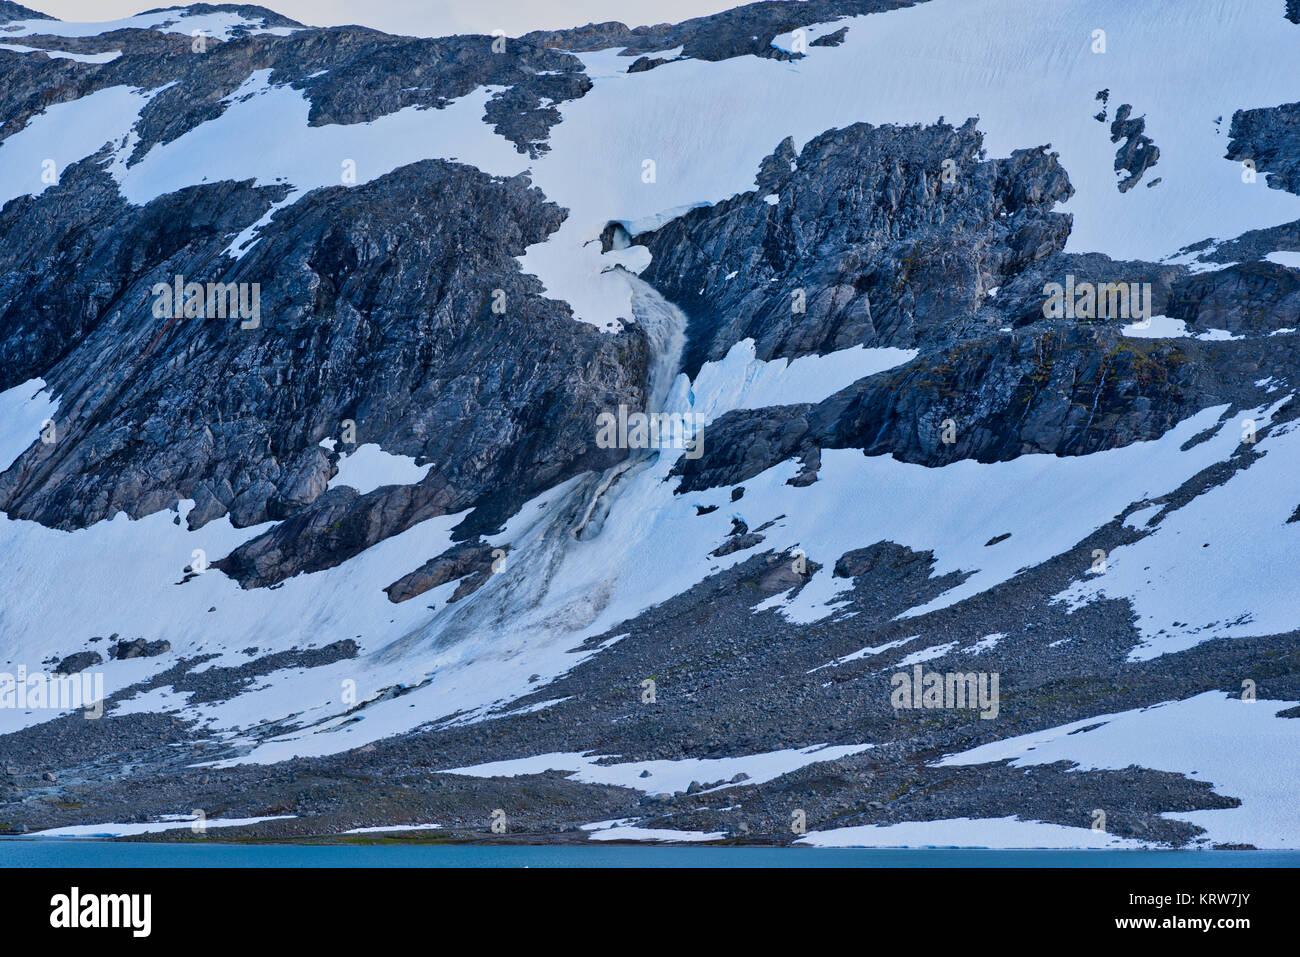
866 653
926 654
153 827
670 777
106 57
984 644
1289 259
370 467
64 134
1241 747
1205 571
389 828
622 831
741 381
786 42
1157 327
1002 833
24 409
290 152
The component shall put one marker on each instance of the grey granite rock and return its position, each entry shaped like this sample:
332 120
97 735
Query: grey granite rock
1269 138
883 236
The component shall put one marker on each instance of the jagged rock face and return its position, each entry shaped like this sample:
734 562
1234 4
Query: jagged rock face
1254 298
883 236
1062 392
79 255
471 562
16 11
349 74
1019 301
742 31
1270 138
862 225
377 304
1137 153
377 307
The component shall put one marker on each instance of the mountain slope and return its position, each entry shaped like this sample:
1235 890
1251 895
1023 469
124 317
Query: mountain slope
366 524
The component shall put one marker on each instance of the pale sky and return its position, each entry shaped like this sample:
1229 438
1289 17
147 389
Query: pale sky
427 17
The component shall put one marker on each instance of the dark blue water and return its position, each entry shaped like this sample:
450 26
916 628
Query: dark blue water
85 853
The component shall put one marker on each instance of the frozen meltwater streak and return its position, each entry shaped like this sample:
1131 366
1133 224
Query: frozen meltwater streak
665 327
546 591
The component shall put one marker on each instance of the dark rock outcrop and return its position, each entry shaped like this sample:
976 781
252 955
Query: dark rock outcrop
884 236
16 11
78 662
1250 246
1253 299
348 75
1270 139
469 561
876 561
830 39
1021 298
737 543
1137 153
644 63
742 31
139 648
1062 392
377 305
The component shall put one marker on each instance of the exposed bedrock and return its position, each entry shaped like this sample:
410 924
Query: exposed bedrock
884 236
909 238
348 75
376 307
1269 139
1136 153
469 562
742 31
1066 392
